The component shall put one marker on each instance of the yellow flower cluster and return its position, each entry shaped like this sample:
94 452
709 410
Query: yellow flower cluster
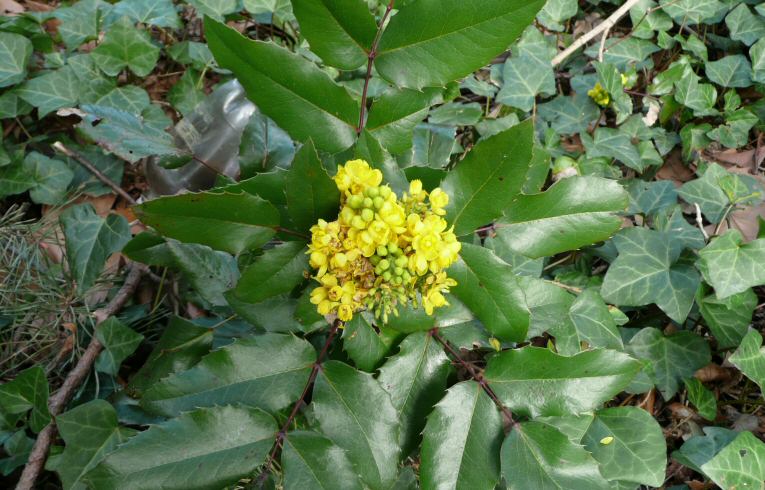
599 95
381 251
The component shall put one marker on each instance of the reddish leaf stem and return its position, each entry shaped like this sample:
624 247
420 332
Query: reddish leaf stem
283 430
370 61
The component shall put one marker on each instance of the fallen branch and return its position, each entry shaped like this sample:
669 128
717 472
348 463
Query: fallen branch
74 379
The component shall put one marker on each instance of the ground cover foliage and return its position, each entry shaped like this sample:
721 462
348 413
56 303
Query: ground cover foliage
605 330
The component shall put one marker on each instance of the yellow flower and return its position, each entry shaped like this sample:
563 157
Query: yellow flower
345 312
599 95
355 176
438 201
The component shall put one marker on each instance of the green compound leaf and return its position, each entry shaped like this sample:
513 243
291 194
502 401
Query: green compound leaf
311 192
160 13
744 26
750 358
246 371
534 382
15 51
485 183
574 212
420 48
732 267
461 441
28 390
394 115
489 287
647 271
355 412
740 464
537 455
637 453
701 398
673 357
90 432
728 318
340 32
229 222
206 448
90 240
289 89
310 460
275 272
119 342
416 379
124 46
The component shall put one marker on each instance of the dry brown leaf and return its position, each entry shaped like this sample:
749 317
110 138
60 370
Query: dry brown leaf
675 170
744 159
713 373
10 7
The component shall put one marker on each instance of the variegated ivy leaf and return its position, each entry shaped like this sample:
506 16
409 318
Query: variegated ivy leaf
732 266
555 12
730 71
745 26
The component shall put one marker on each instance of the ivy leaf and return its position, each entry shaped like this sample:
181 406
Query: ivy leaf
291 90
363 344
757 55
739 464
750 358
525 77
50 91
700 97
735 132
707 191
119 342
340 32
80 22
537 455
673 357
692 11
90 240
216 9
593 321
181 345
15 51
415 378
275 272
488 179
730 71
229 222
209 447
728 319
731 266
246 371
611 80
648 198
128 97
90 432
160 13
311 192
488 286
186 95
435 53
310 460
569 114
638 451
647 271
209 272
28 390
701 398
461 441
534 382
555 12
624 53
613 143
355 412
699 449
282 9
394 115
125 46
51 178
744 26
570 214
15 178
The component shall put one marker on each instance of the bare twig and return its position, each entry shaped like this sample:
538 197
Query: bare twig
370 61
602 48
74 379
58 146
282 434
603 26
700 221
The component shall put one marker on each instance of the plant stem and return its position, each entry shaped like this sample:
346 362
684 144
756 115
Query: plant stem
370 61
477 376
282 434
58 146
292 232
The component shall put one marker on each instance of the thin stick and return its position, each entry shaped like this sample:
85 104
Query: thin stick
74 379
475 375
606 24
282 434
602 48
700 221
58 146
370 61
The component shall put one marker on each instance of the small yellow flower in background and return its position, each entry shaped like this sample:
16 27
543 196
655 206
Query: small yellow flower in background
382 251
599 95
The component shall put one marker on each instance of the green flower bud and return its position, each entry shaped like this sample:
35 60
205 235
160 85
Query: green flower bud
367 215
355 202
398 271
406 276
397 281
386 276
401 262
382 251
358 223
384 264
378 202
385 192
372 192
375 259
368 203
393 248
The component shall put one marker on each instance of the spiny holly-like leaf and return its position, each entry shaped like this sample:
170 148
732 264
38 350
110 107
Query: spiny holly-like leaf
229 222
291 90
732 266
275 272
750 358
537 455
90 240
15 51
119 342
125 46
363 344
488 286
647 270
637 452
534 381
394 115
701 398
461 441
728 318
90 432
369 149
266 371
28 390
206 448
420 48
574 212
673 357
210 272
310 460
416 380
740 464
355 412
311 193
340 32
